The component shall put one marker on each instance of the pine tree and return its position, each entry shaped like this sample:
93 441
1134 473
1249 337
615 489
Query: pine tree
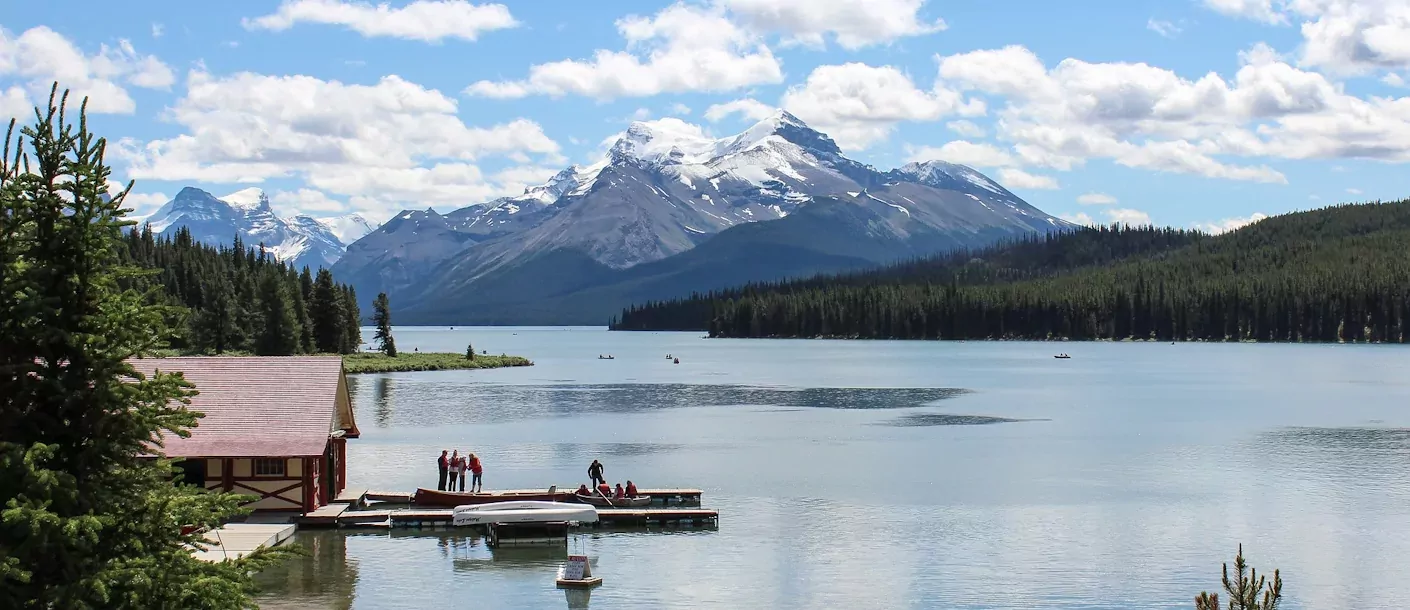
280 333
352 326
215 328
310 345
88 522
469 351
1246 590
382 318
329 315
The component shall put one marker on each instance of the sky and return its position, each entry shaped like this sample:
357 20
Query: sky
1188 113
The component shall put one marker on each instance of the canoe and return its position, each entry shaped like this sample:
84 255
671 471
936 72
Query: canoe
431 497
522 512
614 503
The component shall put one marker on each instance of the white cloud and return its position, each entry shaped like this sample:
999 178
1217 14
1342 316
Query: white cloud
966 128
964 153
682 48
1229 224
1165 28
853 23
1121 216
1393 79
520 177
40 56
1349 37
859 105
1257 10
157 30
1017 178
14 104
1148 117
428 20
1354 191
140 203
1096 199
748 108
679 108
305 201
1130 217
389 143
641 114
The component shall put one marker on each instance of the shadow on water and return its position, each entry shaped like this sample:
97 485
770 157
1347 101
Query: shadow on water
411 402
323 579
948 419
1356 456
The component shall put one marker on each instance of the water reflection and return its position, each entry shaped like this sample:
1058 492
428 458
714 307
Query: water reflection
429 401
323 579
947 419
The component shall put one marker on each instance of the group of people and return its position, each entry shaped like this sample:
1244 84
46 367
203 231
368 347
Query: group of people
453 466
600 485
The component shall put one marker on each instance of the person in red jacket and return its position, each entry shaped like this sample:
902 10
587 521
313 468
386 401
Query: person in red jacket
476 469
605 490
621 493
631 489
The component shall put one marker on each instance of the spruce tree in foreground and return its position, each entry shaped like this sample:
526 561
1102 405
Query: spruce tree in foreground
87 522
1246 590
329 316
382 317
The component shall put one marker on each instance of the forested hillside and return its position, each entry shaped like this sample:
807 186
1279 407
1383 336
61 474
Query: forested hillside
1335 274
241 299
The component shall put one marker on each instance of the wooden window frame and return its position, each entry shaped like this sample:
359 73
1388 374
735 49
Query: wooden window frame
256 470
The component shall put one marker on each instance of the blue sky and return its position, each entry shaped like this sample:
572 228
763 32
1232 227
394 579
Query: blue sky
1181 112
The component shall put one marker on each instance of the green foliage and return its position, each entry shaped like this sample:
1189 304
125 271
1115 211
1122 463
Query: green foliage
235 299
469 351
372 362
87 522
1336 274
382 319
1246 590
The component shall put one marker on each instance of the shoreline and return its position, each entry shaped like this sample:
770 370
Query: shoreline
376 362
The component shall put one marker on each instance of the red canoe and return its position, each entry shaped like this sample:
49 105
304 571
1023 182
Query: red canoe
431 497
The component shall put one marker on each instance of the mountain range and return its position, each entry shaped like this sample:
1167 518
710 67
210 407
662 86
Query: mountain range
668 211
298 240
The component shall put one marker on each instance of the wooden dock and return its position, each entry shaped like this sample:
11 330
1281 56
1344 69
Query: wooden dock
235 540
362 498
441 517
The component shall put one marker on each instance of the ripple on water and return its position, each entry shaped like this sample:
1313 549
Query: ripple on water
948 419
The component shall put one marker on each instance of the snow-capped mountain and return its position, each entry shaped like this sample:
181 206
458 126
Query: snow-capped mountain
299 240
665 187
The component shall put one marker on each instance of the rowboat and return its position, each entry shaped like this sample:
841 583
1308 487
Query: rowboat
431 497
614 502
522 512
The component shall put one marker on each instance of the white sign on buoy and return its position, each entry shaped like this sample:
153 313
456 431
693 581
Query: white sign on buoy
577 573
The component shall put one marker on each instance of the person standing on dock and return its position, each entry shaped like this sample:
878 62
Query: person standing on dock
476 469
595 473
443 465
457 471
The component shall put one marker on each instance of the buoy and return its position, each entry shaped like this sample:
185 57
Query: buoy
577 573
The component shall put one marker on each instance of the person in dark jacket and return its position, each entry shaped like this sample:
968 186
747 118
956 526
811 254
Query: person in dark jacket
595 473
443 465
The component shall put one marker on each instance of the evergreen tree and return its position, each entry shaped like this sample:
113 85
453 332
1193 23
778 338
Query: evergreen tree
352 326
328 314
306 301
469 351
1246 590
214 328
382 318
280 333
88 522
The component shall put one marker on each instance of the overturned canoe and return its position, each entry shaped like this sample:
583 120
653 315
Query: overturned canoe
522 512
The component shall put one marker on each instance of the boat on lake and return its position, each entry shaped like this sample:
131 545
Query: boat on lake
1062 356
598 500
432 497
524 511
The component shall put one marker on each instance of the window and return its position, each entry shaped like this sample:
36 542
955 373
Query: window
269 467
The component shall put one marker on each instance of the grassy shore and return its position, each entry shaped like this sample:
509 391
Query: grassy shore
376 362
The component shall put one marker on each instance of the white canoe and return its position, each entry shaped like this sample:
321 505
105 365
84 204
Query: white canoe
522 512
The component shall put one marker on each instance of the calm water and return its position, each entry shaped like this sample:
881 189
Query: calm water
895 474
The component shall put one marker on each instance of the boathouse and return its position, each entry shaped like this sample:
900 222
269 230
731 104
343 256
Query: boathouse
275 427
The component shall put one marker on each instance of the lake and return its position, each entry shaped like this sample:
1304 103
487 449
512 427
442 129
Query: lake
884 474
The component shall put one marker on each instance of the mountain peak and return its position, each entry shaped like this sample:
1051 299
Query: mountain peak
249 199
665 141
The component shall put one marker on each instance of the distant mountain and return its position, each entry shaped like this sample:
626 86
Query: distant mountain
670 209
299 240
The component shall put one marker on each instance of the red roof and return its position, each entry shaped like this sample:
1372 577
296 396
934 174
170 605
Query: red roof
270 406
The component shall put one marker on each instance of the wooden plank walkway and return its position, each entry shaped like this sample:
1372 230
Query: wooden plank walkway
441 517
235 540
664 496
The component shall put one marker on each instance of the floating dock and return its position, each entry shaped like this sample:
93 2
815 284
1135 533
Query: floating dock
235 540
341 516
364 497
